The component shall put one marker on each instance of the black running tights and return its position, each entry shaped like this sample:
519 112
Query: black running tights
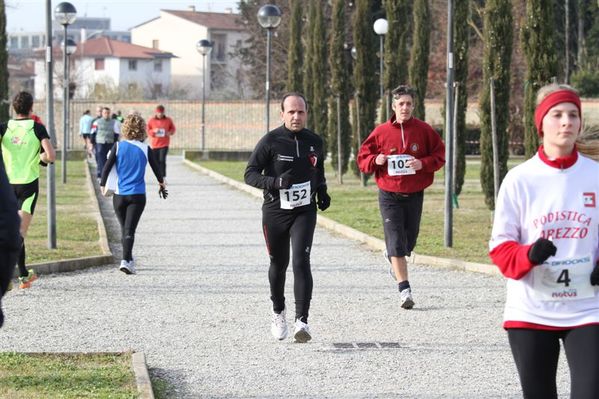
279 228
536 354
128 209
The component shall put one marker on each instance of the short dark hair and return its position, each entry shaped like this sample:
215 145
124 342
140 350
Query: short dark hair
293 94
403 90
23 103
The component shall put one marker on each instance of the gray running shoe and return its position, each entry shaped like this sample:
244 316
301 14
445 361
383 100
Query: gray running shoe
302 332
407 302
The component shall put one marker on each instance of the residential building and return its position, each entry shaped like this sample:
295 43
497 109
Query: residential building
103 66
178 31
84 28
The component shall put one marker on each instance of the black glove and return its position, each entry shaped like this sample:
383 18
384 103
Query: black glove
595 275
285 180
162 192
541 250
323 199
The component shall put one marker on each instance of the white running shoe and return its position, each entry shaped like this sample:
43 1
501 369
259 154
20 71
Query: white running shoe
407 302
278 328
302 332
127 267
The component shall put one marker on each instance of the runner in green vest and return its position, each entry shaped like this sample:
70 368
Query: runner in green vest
25 145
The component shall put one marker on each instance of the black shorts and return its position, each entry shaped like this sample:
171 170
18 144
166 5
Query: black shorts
27 195
86 135
401 220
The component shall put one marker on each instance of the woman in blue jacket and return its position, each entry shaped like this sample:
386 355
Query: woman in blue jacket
130 157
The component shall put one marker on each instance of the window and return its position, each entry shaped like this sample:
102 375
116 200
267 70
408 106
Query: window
35 41
157 65
99 64
219 47
156 44
14 42
24 41
133 65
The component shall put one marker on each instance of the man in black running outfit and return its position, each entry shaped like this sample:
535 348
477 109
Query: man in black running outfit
288 164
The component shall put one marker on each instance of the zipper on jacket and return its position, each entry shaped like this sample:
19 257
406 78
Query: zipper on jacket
296 146
403 139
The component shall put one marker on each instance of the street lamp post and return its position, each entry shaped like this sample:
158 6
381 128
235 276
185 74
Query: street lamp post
381 27
269 17
354 56
65 14
204 47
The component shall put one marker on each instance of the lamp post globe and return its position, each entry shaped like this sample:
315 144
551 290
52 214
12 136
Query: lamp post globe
269 16
65 14
204 47
381 26
71 46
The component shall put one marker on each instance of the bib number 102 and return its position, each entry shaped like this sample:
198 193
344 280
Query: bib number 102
296 195
398 163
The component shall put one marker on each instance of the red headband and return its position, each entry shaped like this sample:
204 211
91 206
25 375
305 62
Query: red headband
557 97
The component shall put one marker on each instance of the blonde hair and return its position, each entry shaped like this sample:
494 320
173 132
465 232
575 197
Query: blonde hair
134 128
551 88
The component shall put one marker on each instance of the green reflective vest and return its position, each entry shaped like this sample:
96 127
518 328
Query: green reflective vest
21 152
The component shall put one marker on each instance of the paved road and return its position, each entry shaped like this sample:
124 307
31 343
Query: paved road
199 309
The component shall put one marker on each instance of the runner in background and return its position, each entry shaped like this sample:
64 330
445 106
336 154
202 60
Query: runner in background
160 130
403 153
22 143
130 157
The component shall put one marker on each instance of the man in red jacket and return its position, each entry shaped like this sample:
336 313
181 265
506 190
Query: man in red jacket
403 153
160 130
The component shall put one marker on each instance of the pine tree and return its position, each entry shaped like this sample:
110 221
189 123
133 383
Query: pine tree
496 65
461 38
319 80
396 43
3 65
295 56
339 67
538 41
365 83
419 55
309 55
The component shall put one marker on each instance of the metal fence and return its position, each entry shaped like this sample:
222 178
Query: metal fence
230 125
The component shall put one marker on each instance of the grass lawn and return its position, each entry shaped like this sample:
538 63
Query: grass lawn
357 207
76 226
66 376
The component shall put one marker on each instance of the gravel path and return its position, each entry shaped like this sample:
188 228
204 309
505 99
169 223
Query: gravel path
199 309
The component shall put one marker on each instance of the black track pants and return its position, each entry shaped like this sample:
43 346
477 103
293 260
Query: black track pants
161 158
128 209
536 355
8 258
279 228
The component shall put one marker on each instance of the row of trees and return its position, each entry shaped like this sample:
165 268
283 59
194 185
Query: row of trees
519 45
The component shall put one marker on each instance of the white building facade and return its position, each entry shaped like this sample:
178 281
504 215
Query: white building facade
103 66
178 32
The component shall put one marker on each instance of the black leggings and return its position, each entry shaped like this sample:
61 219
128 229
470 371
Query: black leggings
8 258
279 226
128 209
161 158
536 354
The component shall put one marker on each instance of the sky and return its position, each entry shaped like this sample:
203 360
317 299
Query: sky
30 15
